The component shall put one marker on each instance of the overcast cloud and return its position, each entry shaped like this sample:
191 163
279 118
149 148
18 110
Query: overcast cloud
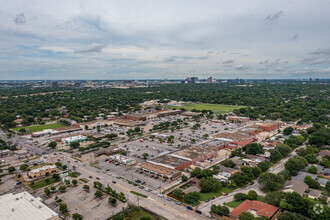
157 39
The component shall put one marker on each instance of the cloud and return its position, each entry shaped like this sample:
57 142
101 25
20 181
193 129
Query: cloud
315 61
56 49
20 19
95 47
182 58
242 67
228 62
322 52
273 19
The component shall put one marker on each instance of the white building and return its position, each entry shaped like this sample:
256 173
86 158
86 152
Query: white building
24 206
77 138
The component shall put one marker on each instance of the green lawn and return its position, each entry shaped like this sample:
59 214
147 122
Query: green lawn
216 108
234 204
43 183
34 128
137 215
205 196
227 189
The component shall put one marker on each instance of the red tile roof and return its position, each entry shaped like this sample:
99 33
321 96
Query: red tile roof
262 209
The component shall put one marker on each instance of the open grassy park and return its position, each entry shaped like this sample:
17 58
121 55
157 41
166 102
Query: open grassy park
216 108
34 128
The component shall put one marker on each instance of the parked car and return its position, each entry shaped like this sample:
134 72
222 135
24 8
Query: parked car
198 211
189 207
114 182
178 203
168 199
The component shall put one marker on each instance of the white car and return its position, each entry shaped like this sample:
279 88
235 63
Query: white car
160 195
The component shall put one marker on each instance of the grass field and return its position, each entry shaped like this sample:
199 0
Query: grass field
216 108
137 215
34 128
205 196
43 183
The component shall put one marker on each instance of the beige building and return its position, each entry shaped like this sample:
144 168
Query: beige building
42 171
24 206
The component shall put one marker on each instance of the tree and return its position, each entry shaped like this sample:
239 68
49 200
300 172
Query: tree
295 164
284 149
117 217
24 167
53 188
192 197
178 193
74 145
311 158
210 184
288 130
252 195
264 166
311 182
98 194
320 137
270 181
47 191
56 176
228 163
64 167
275 155
62 189
312 169
11 169
327 186
240 196
274 198
220 210
145 218
74 182
246 216
58 164
184 178
254 149
63 207
112 201
86 187
145 156
77 216
98 185
52 145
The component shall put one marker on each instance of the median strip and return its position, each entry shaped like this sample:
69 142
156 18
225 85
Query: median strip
139 194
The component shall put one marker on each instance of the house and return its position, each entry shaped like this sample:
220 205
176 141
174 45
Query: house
295 186
314 194
256 208
221 177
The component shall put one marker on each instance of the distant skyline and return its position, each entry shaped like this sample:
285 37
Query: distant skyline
112 40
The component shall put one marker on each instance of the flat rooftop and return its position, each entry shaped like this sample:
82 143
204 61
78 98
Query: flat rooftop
24 206
169 160
158 168
236 136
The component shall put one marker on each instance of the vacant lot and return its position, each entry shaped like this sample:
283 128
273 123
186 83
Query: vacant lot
34 128
216 108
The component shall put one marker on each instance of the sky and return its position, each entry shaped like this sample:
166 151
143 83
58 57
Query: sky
141 39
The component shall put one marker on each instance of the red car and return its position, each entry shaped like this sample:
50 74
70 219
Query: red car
91 177
97 178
